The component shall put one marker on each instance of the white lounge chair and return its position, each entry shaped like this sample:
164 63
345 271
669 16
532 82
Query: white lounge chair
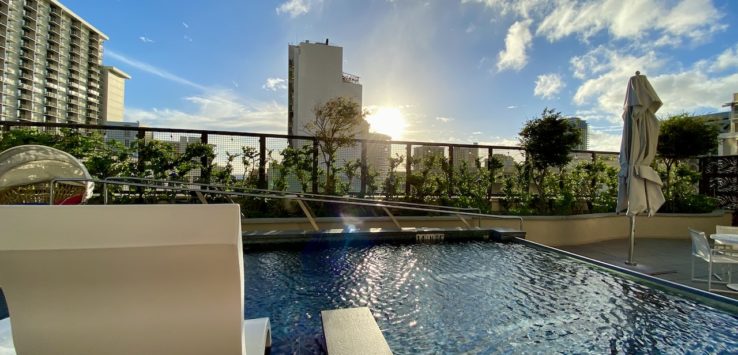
701 249
135 279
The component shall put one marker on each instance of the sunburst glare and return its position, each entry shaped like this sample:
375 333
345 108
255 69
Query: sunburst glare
387 120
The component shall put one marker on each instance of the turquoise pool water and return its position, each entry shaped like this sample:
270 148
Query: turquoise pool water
477 297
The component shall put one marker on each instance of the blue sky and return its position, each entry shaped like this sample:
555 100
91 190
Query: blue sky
459 71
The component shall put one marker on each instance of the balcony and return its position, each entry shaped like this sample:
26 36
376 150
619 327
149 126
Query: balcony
350 78
30 19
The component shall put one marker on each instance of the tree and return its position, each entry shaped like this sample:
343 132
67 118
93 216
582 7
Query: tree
548 142
682 137
336 124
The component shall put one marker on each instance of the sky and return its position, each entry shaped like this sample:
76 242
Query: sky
458 71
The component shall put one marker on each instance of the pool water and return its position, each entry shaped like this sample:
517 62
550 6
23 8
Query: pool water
476 297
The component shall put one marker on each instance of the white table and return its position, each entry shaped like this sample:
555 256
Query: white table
727 239
730 243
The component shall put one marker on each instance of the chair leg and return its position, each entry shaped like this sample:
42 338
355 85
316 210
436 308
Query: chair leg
709 275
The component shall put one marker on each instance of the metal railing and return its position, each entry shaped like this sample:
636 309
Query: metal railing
201 189
372 156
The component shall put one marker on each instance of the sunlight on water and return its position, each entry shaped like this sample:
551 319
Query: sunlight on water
476 298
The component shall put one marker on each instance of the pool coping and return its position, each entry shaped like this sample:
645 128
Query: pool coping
709 298
277 239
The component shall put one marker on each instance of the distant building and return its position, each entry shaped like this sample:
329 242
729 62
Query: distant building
466 155
728 141
126 137
315 76
508 164
583 127
424 152
113 94
51 64
721 120
378 154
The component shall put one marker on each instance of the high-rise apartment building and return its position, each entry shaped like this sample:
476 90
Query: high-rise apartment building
51 63
583 127
113 94
315 76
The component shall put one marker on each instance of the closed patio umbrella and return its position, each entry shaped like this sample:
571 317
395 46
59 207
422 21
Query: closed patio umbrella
639 185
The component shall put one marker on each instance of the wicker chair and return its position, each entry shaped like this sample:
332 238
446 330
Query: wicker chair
26 174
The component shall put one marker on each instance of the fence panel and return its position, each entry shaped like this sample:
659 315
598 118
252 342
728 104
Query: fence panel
389 169
720 179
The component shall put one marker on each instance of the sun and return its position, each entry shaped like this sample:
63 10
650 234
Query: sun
387 120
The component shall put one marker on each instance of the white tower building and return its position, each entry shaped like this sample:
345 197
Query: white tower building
315 75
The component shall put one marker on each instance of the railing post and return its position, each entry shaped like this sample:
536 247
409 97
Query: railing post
491 171
408 168
205 170
315 166
262 163
140 136
364 169
450 192
593 183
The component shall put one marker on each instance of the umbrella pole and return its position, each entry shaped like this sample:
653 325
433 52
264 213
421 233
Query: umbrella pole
631 242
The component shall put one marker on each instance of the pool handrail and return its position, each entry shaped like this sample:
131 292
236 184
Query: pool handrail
329 197
298 197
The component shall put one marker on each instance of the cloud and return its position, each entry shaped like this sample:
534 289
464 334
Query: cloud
145 39
522 8
511 107
726 60
187 38
274 84
294 8
704 86
632 19
185 25
471 28
604 140
517 41
217 110
548 85
444 119
152 69
605 73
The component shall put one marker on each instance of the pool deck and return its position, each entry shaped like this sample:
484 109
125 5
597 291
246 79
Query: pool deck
668 259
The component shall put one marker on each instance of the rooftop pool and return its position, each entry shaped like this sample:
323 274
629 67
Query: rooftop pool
477 297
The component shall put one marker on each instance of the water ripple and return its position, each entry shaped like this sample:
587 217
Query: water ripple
476 298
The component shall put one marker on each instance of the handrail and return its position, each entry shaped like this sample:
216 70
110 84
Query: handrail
276 196
329 197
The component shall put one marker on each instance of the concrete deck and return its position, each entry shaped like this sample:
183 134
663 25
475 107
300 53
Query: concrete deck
668 259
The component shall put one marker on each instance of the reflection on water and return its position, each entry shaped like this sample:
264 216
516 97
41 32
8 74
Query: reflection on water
476 298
